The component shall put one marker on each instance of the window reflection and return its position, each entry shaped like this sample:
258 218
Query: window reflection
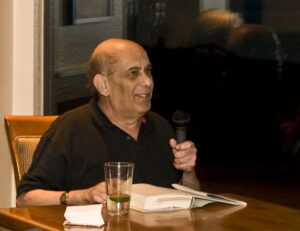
204 72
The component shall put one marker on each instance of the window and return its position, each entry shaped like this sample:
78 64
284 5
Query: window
87 11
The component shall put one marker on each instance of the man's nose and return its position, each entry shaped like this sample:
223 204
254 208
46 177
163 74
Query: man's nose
147 80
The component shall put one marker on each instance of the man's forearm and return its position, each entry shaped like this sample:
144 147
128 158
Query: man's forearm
38 197
190 179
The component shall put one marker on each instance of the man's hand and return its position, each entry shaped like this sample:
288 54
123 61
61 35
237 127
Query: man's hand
185 155
95 194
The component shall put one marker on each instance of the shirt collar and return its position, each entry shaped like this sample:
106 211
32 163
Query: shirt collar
102 120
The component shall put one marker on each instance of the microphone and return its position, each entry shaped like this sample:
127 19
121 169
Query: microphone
181 119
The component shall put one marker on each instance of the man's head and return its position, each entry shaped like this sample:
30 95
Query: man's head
212 27
257 42
120 73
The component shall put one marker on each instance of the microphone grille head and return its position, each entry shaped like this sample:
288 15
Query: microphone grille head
181 118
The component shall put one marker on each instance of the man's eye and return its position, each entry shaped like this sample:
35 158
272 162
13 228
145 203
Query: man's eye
149 71
133 74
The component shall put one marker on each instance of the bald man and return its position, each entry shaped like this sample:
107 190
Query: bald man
116 125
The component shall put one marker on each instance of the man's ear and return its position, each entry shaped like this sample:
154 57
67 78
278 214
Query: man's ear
100 83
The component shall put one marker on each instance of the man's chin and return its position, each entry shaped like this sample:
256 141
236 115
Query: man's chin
145 109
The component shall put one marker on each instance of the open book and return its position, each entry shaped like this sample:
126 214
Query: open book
147 198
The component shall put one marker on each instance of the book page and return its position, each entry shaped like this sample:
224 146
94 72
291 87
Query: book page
152 190
149 198
146 198
208 196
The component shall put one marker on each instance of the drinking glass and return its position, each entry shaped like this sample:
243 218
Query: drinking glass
118 178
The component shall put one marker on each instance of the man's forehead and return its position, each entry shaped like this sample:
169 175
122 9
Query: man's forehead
139 66
137 58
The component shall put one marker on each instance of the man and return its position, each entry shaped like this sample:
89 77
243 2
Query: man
116 125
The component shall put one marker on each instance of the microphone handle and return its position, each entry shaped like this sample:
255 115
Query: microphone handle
180 134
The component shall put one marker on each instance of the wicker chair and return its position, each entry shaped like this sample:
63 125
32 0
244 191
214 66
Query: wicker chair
24 133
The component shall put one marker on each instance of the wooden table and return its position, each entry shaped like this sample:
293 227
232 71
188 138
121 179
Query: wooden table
258 215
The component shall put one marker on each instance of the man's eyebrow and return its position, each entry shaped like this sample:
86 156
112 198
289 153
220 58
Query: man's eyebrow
133 68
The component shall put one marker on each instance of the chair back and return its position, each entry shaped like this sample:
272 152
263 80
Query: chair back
24 133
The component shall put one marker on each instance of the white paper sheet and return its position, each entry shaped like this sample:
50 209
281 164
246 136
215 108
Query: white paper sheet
89 215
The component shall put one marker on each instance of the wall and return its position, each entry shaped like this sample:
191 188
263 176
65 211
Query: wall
6 72
20 77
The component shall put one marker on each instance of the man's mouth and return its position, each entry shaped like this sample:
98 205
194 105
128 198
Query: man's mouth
144 95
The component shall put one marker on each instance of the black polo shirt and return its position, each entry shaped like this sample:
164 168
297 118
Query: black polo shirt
72 153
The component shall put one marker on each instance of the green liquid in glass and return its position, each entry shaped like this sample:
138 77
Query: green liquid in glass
119 198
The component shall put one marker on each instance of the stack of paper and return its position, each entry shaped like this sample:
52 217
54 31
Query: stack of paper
88 215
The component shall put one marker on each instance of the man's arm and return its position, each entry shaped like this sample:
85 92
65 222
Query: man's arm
190 179
185 155
38 197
